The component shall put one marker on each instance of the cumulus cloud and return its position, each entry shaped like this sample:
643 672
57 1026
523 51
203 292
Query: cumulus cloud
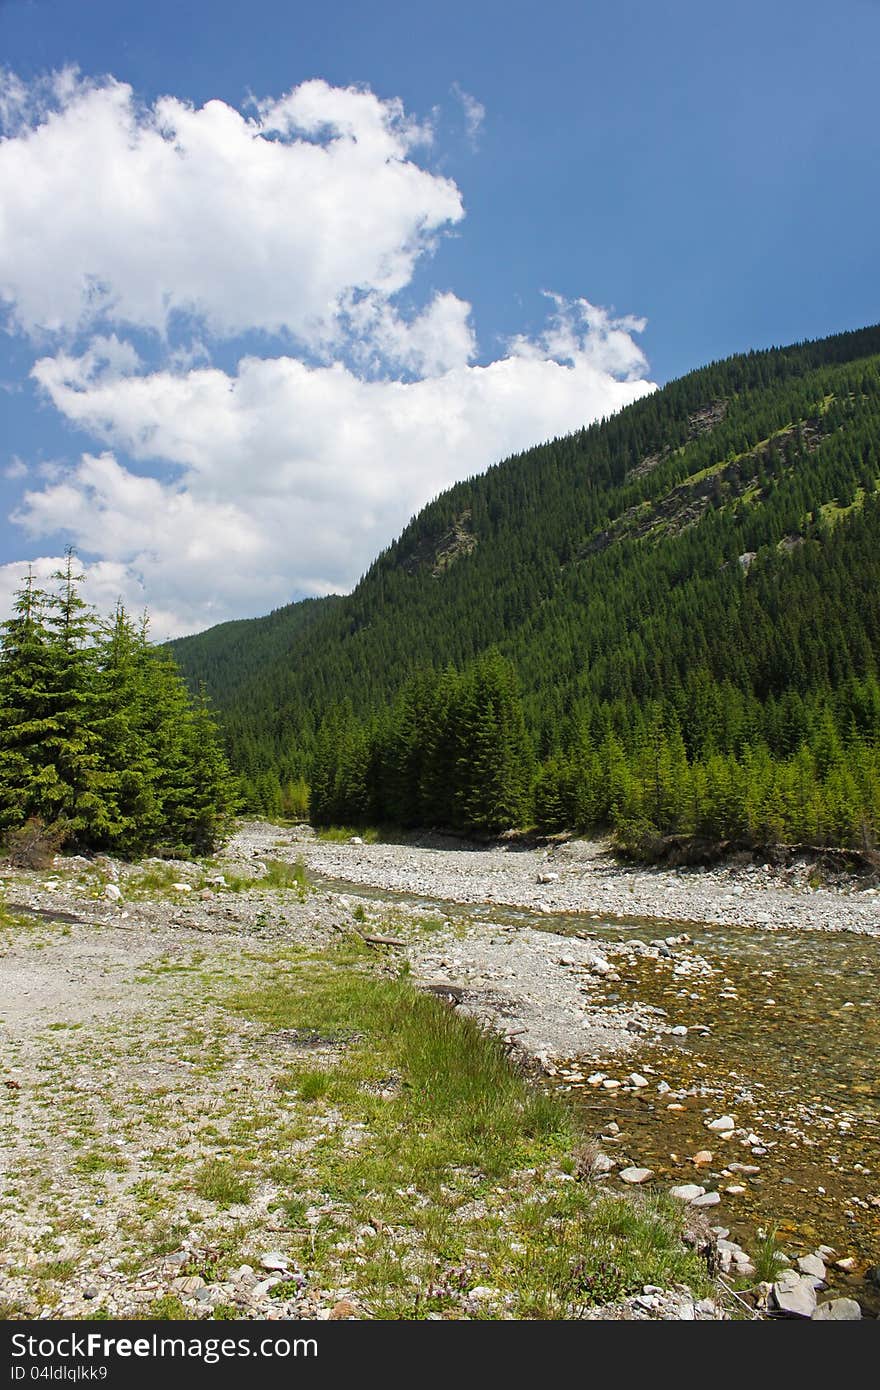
216 493
276 221
289 477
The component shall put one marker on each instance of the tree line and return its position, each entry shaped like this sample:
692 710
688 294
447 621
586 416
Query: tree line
100 740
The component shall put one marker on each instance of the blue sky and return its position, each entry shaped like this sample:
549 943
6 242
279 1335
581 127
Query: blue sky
305 319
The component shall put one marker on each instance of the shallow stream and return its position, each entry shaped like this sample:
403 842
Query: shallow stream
790 1053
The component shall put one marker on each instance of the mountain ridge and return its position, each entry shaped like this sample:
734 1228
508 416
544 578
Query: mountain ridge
606 565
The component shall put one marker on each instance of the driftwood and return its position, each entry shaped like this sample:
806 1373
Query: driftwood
370 940
46 914
381 940
444 990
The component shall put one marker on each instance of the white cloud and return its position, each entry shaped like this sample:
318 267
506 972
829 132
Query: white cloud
291 478
16 468
221 493
474 114
278 221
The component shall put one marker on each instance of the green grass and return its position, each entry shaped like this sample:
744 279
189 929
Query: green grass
460 1159
168 1308
767 1257
223 1183
341 834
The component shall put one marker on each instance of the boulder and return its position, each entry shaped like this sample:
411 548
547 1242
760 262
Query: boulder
794 1297
838 1310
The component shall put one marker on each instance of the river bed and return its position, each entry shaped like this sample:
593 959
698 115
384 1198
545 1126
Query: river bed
782 1037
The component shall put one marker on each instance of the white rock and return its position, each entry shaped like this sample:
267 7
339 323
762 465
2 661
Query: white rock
635 1176
679 1031
723 1125
813 1266
635 1079
275 1260
113 893
708 1199
182 887
687 1192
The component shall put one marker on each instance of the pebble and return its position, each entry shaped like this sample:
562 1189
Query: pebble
723 1125
687 1192
708 1199
635 1079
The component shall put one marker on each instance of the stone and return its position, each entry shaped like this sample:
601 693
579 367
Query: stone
746 1170
795 1299
679 1031
547 878
723 1125
636 1175
188 1285
112 893
635 1079
355 840
708 1199
343 1309
182 887
846 1264
701 1158
687 1192
838 1310
735 1189
812 1265
275 1261
603 1164
609 1084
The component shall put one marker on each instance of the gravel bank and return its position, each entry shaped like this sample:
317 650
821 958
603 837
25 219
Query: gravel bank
580 876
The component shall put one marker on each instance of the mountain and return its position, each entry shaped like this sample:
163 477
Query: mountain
696 578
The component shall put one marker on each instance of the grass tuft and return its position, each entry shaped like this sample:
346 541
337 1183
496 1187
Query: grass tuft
223 1183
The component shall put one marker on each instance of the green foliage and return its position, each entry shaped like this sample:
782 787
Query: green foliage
222 1183
99 740
688 592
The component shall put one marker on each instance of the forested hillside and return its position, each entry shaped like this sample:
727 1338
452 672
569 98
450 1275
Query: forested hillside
686 597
